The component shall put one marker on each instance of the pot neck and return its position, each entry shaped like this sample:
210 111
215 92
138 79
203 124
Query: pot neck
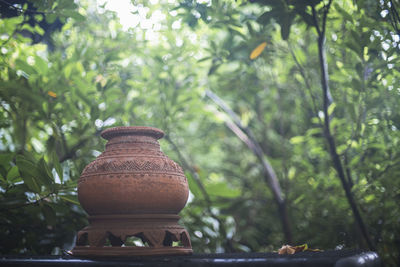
135 141
132 137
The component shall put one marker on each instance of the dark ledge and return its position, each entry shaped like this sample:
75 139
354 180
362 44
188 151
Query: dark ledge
342 258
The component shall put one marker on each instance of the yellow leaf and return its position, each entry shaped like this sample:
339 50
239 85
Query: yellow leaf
52 94
287 249
257 51
301 248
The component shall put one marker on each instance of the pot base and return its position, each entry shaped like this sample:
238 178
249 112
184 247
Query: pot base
133 235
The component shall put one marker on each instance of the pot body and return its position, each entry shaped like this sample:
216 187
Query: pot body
132 176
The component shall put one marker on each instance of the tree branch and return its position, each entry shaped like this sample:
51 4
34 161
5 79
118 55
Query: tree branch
246 135
71 152
327 100
22 205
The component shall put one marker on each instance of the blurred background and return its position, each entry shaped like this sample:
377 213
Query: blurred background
284 115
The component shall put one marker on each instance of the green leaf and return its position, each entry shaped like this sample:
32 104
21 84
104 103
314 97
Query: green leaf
299 199
29 173
41 65
356 83
24 66
308 19
266 17
213 68
57 165
193 187
286 22
13 174
50 18
3 171
331 108
39 29
2 178
250 28
68 70
49 214
369 198
6 158
204 59
74 14
221 189
297 140
70 198
45 174
355 160
344 13
31 183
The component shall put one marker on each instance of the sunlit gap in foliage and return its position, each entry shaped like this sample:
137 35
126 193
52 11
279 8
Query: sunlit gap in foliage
150 21
138 16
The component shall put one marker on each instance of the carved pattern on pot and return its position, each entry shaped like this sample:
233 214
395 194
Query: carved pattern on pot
132 165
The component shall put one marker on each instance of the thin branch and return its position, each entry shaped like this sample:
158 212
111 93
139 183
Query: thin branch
246 135
37 201
24 134
71 152
321 40
348 172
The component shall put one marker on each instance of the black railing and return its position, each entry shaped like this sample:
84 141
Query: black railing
340 258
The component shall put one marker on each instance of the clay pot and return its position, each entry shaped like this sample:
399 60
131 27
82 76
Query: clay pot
132 189
132 176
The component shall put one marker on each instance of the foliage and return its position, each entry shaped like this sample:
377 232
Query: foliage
262 60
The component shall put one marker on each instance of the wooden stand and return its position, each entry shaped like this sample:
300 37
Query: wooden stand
107 236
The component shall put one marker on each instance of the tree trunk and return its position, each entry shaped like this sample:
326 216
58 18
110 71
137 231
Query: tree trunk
327 100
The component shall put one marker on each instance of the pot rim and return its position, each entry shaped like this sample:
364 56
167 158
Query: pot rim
132 130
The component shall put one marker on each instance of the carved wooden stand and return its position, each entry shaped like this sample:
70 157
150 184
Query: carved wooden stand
106 236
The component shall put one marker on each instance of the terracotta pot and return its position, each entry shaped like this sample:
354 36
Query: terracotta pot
132 189
132 176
